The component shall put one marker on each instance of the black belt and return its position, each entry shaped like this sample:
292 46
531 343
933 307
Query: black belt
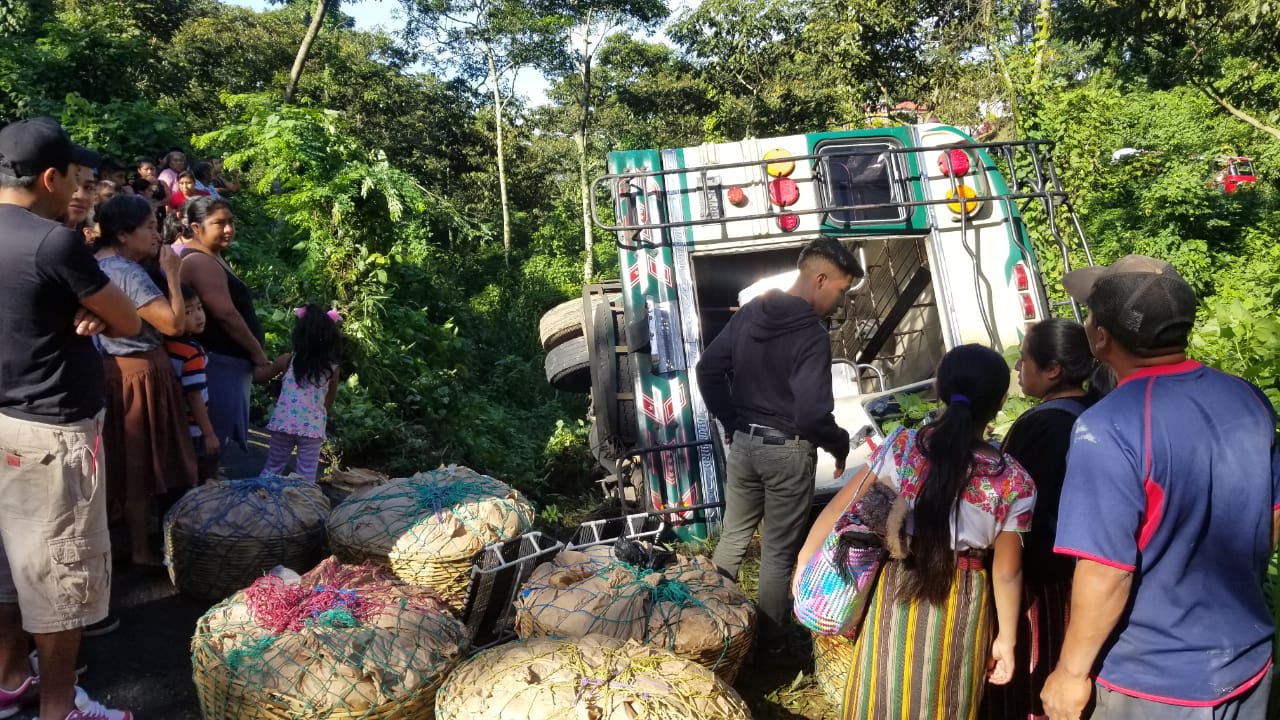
768 435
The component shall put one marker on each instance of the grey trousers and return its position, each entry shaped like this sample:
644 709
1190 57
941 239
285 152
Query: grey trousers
774 483
1251 705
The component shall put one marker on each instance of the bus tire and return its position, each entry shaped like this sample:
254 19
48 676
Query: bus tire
560 323
568 367
563 322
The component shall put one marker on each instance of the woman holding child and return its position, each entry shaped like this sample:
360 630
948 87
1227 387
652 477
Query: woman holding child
148 448
233 337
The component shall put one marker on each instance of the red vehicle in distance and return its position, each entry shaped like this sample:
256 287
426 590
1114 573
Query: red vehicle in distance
1229 173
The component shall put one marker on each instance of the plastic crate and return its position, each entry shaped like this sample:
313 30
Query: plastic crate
640 526
497 575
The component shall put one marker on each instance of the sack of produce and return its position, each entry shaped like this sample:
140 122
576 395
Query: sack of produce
224 535
344 641
590 677
633 591
428 528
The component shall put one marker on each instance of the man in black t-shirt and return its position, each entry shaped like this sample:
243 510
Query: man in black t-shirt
54 550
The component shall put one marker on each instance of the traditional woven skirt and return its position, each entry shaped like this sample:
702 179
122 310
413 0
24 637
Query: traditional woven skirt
919 661
145 432
1042 626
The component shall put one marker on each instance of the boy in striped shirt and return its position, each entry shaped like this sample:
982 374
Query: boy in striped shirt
188 358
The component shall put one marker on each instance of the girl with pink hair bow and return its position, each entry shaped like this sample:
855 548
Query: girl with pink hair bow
306 394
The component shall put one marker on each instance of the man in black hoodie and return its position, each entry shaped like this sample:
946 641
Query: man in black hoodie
767 378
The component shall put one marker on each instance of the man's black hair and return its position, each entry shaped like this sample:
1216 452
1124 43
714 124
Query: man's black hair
832 251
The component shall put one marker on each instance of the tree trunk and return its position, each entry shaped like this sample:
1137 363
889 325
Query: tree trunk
1236 112
584 179
1042 42
502 165
317 21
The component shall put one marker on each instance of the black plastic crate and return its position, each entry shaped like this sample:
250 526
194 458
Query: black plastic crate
497 575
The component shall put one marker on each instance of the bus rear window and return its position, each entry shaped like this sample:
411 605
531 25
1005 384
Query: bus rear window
858 174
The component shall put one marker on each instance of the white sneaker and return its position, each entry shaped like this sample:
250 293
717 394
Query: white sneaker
88 709
34 659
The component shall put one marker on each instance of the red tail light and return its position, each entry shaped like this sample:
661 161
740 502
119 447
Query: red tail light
1021 279
788 222
954 162
1028 307
737 197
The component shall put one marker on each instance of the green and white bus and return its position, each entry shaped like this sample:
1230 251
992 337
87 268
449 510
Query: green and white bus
935 219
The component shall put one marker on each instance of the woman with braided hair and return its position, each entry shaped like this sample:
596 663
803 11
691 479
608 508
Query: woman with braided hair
929 642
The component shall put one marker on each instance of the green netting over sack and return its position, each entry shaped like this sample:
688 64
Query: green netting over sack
832 661
224 535
429 527
687 607
344 642
595 677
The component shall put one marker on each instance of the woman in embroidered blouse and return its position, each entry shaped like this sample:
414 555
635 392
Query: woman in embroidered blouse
926 645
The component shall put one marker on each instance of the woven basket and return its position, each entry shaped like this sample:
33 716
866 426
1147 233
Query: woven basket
243 671
428 528
689 608
222 536
339 484
832 661
591 677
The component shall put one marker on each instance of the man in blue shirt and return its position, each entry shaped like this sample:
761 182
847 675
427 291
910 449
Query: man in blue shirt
1169 506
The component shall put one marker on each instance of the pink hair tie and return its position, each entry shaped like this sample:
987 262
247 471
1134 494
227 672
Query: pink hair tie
333 314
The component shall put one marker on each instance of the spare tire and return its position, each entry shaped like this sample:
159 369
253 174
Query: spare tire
568 366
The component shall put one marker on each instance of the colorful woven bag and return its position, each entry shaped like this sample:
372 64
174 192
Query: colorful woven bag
835 584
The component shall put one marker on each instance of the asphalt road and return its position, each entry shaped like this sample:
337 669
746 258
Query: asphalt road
145 666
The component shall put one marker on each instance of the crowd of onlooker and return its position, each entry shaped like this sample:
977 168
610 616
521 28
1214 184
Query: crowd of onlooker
127 351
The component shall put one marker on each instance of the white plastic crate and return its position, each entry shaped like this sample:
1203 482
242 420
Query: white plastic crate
639 526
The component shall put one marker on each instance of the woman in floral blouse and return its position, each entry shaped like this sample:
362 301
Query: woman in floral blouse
929 642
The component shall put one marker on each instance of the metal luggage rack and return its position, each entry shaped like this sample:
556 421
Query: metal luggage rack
1038 184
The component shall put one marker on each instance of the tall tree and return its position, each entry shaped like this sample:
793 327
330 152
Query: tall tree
492 41
318 13
1228 50
597 20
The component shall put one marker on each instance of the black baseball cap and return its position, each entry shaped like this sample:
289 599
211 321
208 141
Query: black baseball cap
29 147
1142 301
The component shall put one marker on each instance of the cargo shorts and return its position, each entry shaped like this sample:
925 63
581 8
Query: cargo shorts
55 550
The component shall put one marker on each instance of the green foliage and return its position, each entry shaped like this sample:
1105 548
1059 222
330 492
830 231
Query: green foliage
912 410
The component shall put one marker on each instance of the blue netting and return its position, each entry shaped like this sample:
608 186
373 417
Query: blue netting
223 535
